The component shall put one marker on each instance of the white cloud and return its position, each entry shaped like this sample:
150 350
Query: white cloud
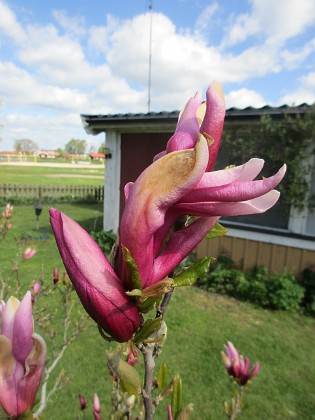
74 25
275 20
243 98
9 26
305 93
58 75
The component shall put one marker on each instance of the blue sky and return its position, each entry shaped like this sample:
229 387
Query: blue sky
60 59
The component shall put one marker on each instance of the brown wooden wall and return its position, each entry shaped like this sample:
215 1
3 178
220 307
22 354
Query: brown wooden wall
249 253
137 153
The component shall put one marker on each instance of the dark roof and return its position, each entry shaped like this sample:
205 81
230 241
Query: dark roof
166 121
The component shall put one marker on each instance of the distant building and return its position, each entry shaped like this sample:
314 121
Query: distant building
46 154
97 156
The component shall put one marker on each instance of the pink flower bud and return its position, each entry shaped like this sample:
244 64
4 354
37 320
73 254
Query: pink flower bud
29 253
35 287
56 275
237 366
132 357
22 358
97 408
82 402
96 283
180 182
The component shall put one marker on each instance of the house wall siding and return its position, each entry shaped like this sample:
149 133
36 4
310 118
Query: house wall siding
249 253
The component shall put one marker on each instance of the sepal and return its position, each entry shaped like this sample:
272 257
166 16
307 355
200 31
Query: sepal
216 231
132 269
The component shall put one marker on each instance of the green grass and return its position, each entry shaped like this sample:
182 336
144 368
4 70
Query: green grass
34 175
199 324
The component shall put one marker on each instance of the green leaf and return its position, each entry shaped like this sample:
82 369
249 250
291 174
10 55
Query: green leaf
132 269
162 377
189 276
177 397
217 231
149 304
148 328
129 377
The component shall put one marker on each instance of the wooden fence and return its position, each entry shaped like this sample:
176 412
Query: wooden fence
51 191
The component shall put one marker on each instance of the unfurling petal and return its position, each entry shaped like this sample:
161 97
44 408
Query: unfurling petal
187 130
161 185
22 342
98 287
213 120
28 385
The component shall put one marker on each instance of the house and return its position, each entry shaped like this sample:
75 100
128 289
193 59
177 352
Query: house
46 154
272 240
97 156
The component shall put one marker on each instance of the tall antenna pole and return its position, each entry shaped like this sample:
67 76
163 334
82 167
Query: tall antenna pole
150 55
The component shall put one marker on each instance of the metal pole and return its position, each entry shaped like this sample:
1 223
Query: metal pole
150 55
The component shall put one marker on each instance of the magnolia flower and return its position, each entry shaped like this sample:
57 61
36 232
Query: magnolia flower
29 253
7 212
97 285
96 407
237 366
179 184
22 356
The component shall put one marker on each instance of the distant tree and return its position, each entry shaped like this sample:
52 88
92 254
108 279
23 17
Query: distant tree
60 152
76 146
92 149
25 145
102 148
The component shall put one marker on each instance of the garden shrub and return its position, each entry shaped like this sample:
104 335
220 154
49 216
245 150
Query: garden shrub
283 292
105 240
308 282
274 291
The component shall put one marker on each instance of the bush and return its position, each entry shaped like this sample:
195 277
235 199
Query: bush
105 240
308 282
283 292
277 291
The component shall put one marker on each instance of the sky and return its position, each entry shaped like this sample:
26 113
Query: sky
60 59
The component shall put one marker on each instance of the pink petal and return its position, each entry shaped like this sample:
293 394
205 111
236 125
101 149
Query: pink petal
23 329
213 120
8 399
186 133
98 287
236 191
246 172
27 386
8 315
255 206
181 243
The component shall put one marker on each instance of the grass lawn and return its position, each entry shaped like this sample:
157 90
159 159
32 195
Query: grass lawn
34 175
199 325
